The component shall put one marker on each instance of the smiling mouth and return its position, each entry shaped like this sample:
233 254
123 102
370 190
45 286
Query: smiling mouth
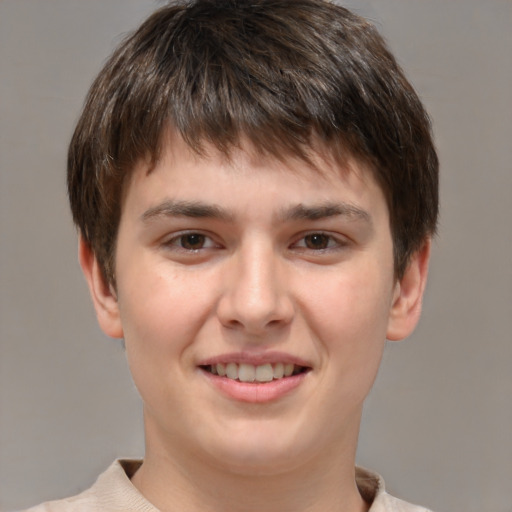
244 372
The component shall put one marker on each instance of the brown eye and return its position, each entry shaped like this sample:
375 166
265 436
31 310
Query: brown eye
317 241
192 241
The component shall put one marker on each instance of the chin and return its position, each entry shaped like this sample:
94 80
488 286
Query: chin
259 453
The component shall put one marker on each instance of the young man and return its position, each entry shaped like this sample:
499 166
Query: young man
255 188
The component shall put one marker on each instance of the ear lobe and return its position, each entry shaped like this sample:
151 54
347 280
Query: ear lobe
408 296
102 293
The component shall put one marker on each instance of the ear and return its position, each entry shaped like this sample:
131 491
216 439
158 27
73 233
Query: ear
103 294
408 295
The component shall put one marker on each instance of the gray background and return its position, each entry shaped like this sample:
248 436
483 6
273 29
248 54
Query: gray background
438 423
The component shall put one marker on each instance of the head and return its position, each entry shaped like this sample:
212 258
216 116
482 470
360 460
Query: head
255 186
292 77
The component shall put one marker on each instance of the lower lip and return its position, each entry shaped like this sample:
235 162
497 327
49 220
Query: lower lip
255 392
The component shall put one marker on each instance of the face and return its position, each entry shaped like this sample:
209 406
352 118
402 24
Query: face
255 297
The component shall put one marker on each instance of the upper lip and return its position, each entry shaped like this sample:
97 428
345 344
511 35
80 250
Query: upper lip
255 359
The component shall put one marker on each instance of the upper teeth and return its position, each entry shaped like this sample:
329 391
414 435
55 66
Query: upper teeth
250 373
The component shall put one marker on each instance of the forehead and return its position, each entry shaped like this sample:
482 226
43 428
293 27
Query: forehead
316 156
216 175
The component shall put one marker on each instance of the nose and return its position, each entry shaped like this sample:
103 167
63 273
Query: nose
256 297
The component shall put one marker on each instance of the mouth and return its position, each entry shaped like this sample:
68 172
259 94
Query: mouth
258 374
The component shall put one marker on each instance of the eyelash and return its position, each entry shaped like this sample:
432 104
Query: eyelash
176 242
333 242
328 242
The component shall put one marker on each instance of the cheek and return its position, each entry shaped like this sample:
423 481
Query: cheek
161 312
359 301
159 326
351 317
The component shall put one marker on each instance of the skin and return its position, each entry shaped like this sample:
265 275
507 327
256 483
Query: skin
283 260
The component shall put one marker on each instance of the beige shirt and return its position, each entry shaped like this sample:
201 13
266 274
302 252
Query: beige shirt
114 492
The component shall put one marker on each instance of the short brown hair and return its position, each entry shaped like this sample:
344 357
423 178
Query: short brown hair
276 72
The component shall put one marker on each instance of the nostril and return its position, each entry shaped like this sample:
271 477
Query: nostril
275 323
233 324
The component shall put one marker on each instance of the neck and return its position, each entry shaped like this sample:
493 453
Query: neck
176 481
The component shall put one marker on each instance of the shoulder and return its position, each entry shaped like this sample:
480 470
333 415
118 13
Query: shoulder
112 491
396 505
78 503
373 490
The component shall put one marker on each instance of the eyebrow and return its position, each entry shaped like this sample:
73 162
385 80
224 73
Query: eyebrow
193 209
322 211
